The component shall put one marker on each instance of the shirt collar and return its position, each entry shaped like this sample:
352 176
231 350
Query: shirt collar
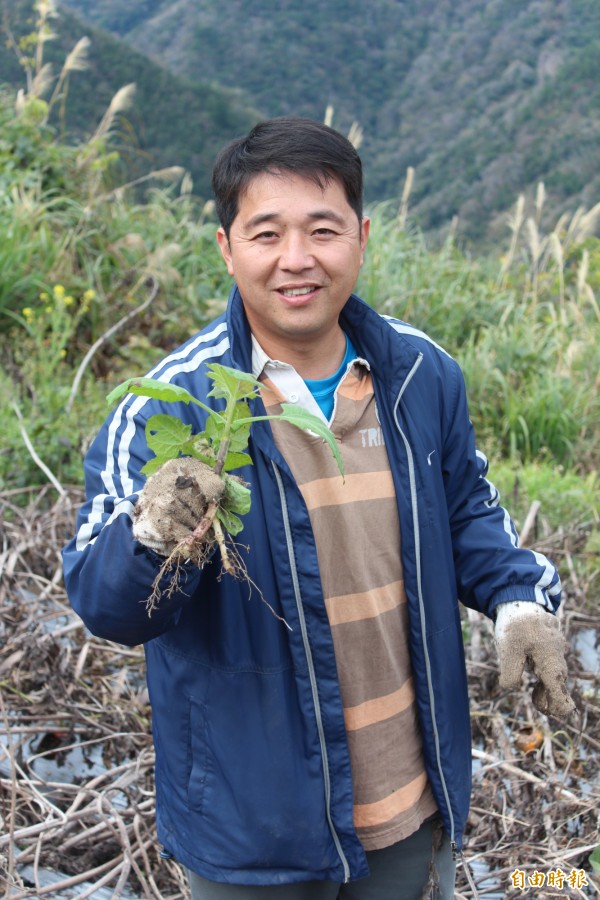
261 361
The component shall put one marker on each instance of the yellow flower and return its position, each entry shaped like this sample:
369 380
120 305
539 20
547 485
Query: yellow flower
63 353
89 295
28 314
44 295
69 301
59 291
48 309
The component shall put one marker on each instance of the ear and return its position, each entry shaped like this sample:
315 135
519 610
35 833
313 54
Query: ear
364 236
224 247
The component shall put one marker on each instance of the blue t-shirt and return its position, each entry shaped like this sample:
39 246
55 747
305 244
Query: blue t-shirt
323 389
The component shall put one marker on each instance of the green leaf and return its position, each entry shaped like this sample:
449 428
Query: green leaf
237 496
214 430
236 461
231 383
152 466
240 435
301 418
155 390
198 447
230 521
595 860
167 436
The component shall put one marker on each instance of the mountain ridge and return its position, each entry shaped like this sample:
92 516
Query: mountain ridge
483 98
159 123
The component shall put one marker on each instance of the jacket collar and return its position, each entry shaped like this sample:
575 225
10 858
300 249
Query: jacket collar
390 355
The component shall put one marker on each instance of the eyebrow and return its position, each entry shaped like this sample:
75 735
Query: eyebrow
318 214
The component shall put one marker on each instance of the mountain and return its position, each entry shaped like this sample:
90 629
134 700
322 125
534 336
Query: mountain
174 121
484 98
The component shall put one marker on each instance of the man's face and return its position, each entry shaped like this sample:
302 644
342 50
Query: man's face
295 252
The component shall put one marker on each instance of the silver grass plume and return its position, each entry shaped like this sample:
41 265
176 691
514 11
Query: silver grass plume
587 224
121 102
170 174
20 101
540 196
584 290
355 135
536 246
187 184
76 61
46 10
408 183
556 250
574 226
514 223
42 81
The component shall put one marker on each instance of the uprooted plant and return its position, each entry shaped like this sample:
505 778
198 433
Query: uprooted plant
221 448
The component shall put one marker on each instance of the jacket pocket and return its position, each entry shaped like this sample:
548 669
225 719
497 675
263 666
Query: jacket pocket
198 755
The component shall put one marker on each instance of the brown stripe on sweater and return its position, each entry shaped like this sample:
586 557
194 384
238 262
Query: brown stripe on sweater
369 814
372 656
358 551
398 762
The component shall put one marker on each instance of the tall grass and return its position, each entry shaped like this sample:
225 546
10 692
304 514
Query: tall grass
525 326
531 362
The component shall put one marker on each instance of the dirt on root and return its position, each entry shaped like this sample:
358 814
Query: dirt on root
185 512
76 756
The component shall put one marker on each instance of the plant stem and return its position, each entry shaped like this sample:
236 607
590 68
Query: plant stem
225 440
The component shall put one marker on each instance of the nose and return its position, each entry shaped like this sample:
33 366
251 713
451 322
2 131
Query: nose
296 254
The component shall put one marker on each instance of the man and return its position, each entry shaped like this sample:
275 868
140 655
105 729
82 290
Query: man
329 759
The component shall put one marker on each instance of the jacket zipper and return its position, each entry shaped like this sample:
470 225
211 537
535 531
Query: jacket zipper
415 518
311 672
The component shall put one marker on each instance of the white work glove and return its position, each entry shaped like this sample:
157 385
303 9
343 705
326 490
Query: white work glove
173 503
526 633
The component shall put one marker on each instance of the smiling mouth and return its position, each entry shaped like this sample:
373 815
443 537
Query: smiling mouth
297 292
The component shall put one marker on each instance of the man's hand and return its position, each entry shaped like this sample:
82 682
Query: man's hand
526 633
173 502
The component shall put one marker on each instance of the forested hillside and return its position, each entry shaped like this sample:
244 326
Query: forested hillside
172 121
483 97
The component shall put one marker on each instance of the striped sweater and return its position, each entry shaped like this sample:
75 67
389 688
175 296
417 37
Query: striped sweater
357 535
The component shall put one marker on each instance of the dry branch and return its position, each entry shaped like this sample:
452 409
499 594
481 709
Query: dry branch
66 695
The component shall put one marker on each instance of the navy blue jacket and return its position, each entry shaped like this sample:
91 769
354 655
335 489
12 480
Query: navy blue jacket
253 775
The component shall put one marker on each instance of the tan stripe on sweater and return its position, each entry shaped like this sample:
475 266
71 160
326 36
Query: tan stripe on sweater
334 491
368 814
380 708
366 605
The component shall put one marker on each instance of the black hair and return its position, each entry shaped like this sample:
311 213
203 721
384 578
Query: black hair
286 144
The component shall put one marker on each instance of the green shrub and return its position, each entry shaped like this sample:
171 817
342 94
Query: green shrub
565 496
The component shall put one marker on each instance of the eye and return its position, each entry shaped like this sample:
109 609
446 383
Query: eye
323 232
265 236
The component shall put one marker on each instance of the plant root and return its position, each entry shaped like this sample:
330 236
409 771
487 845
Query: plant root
200 532
198 546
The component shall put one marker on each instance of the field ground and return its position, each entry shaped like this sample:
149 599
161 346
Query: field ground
76 757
